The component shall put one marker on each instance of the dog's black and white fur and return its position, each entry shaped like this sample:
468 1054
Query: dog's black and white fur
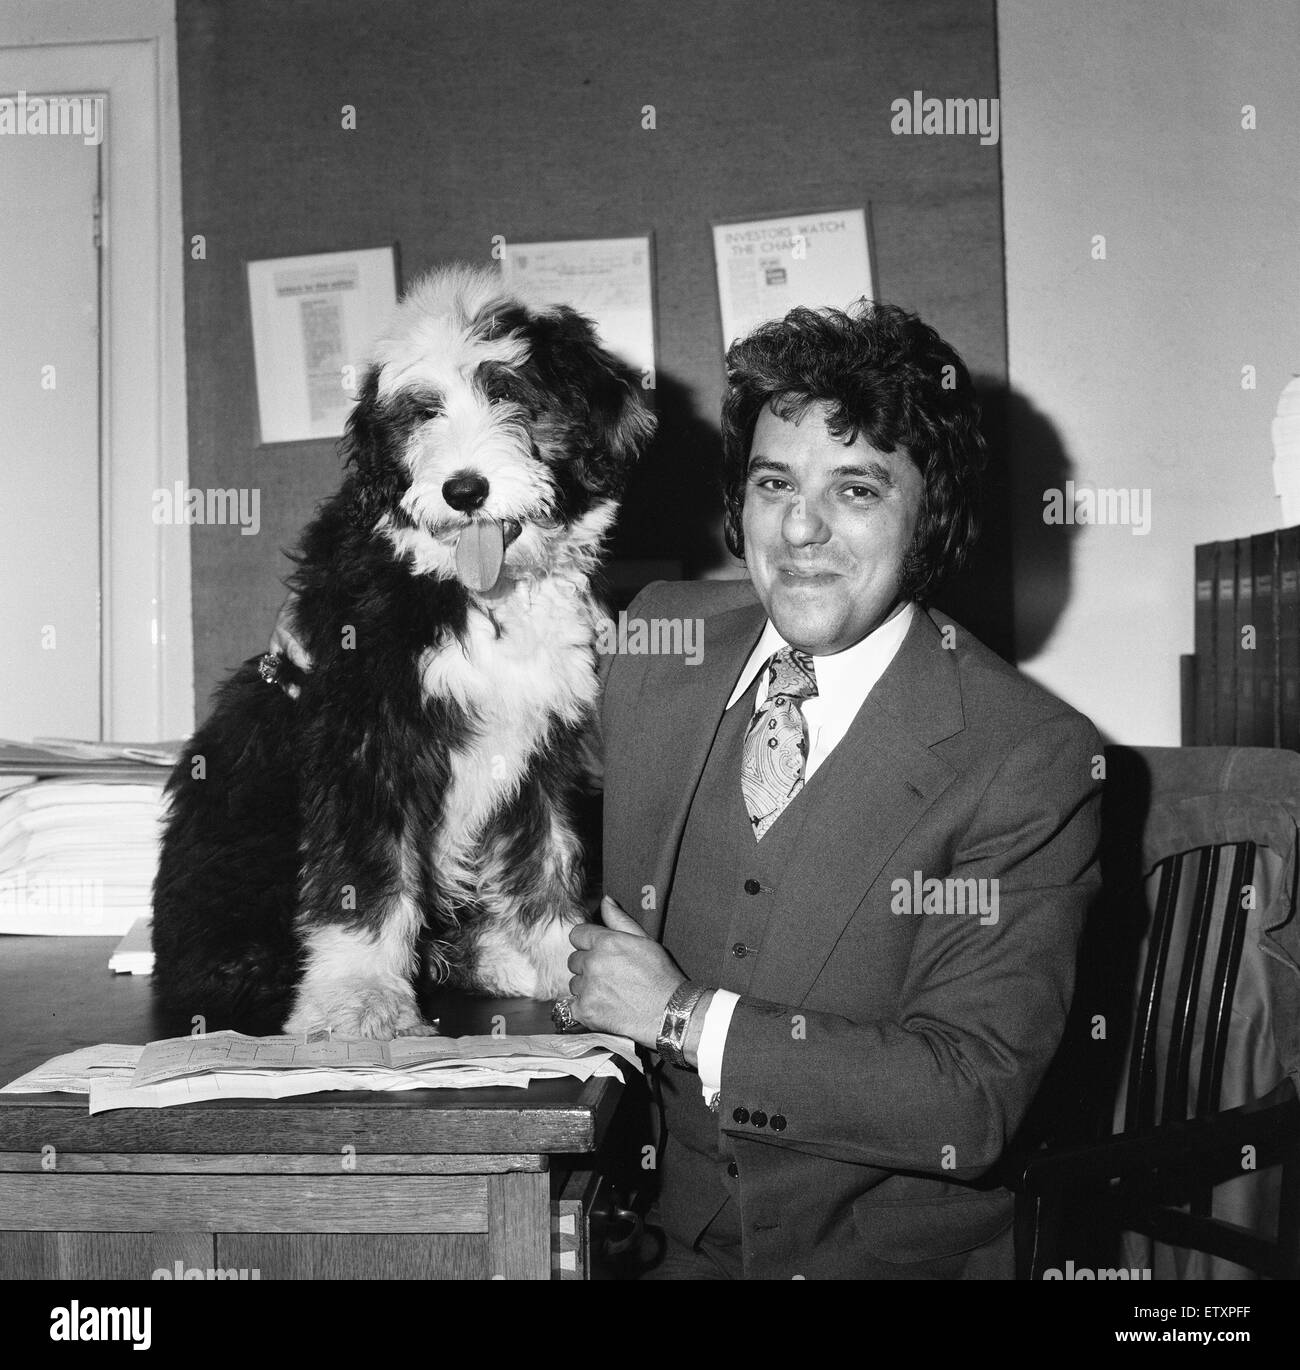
409 809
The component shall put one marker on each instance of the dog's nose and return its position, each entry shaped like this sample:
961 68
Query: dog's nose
465 492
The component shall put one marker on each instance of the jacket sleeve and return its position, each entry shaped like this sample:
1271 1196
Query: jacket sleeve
942 1085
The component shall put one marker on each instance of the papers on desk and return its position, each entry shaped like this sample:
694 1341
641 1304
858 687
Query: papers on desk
75 1072
133 955
78 857
151 753
229 1065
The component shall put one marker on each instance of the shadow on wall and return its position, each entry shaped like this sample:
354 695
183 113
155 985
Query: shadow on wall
1043 551
1020 563
672 508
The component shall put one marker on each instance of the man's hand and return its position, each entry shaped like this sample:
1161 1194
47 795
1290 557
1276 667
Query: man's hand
622 980
284 644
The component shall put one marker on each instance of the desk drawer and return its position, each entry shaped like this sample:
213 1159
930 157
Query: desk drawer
244 1203
302 1226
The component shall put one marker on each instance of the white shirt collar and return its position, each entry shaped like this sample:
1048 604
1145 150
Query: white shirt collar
848 677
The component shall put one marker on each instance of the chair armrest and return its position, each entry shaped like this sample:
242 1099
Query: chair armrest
1266 1124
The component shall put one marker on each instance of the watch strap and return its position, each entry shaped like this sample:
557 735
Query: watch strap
671 1042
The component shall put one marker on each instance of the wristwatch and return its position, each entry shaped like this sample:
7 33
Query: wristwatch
671 1042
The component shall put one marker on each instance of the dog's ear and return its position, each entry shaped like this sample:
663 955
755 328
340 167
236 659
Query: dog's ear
622 426
371 448
615 426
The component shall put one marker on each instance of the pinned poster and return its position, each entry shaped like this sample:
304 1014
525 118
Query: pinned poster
768 266
610 280
314 320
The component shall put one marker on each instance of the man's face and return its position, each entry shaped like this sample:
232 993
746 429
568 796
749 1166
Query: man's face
827 526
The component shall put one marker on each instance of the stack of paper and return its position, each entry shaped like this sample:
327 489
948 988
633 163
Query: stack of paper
78 857
153 753
133 955
229 1065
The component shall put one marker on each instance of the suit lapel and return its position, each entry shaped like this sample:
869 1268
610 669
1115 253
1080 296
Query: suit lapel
672 771
870 793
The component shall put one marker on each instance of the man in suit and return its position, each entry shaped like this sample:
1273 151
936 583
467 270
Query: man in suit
848 850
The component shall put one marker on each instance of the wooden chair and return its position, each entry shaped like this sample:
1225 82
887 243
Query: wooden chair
1194 953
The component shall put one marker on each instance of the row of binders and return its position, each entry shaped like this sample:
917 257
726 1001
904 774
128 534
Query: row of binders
1245 676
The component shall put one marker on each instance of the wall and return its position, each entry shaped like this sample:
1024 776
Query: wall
1125 120
524 119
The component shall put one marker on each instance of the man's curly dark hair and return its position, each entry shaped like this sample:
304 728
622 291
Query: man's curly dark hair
884 375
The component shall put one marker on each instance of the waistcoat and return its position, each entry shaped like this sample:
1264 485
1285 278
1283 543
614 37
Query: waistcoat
715 926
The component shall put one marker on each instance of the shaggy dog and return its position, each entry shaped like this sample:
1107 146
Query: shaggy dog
405 806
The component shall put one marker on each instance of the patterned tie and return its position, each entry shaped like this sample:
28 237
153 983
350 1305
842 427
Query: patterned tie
776 745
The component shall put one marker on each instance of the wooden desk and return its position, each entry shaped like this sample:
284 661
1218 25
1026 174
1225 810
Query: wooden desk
422 1184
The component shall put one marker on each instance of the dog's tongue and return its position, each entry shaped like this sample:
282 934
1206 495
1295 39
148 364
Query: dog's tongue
479 554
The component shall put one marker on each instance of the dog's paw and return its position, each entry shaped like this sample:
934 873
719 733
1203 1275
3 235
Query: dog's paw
550 957
539 969
360 1010
553 984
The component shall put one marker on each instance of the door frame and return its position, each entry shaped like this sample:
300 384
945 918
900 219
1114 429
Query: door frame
128 51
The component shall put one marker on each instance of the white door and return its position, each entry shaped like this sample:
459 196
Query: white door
50 466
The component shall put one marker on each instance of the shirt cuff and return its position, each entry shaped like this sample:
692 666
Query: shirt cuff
712 1040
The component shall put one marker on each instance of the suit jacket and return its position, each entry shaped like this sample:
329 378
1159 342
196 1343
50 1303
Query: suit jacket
900 1049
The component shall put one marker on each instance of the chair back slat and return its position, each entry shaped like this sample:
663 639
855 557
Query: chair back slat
1140 1107
1231 939
1182 1027
1188 984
